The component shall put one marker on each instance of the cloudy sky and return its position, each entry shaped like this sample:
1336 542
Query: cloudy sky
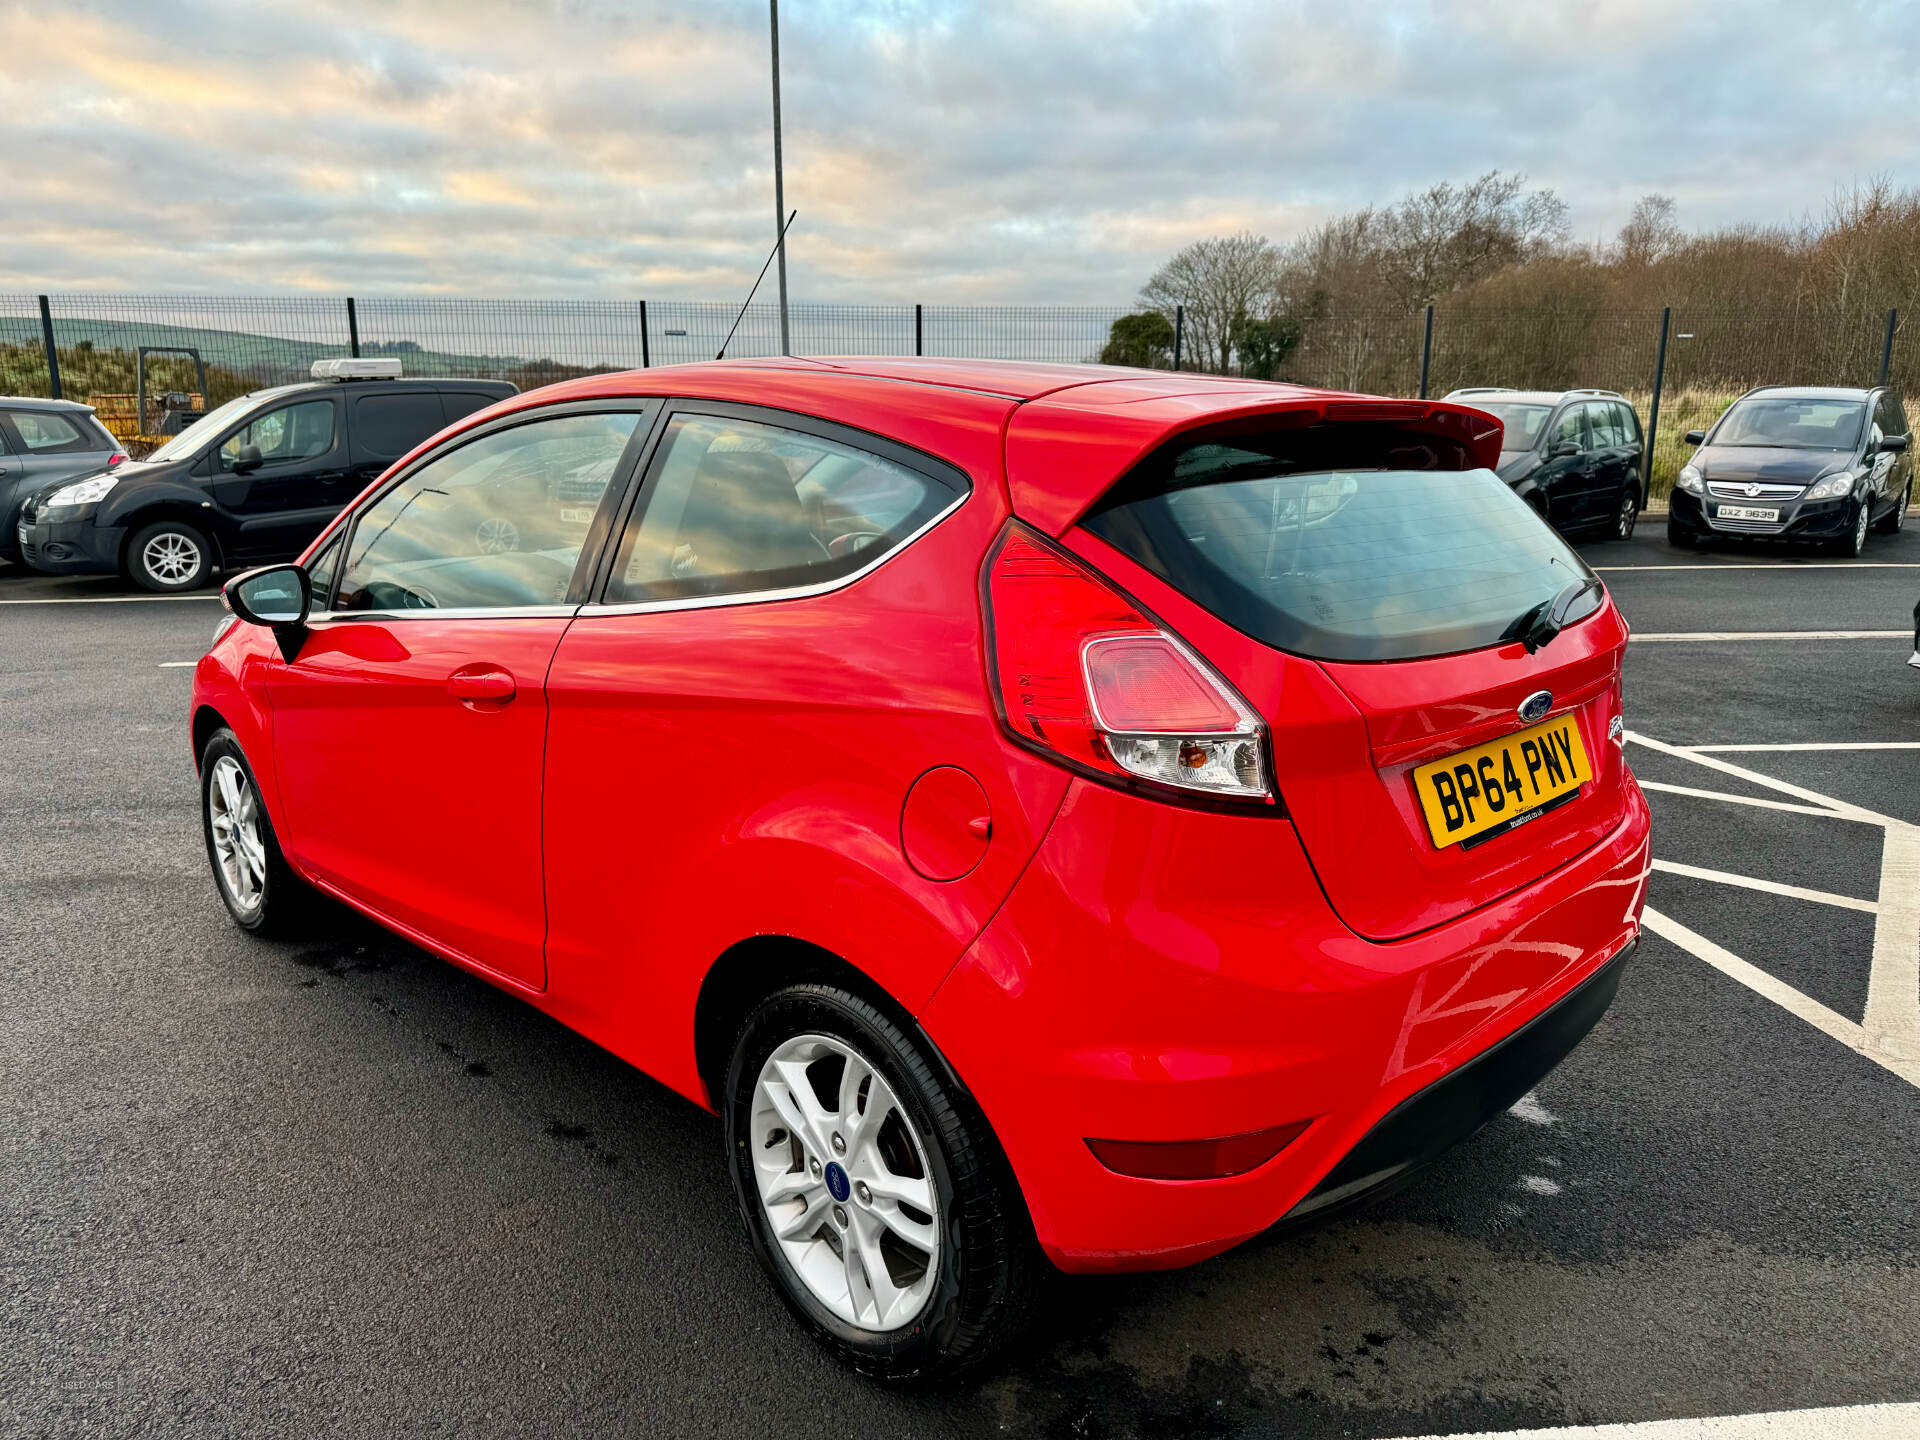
937 150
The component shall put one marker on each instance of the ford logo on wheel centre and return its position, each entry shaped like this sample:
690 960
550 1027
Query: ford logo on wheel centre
1536 706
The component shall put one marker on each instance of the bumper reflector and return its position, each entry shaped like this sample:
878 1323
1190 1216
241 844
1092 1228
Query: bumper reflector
1196 1159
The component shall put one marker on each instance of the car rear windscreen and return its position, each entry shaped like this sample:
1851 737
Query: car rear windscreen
1339 564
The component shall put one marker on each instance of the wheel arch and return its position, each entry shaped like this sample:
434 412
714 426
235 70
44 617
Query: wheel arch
181 511
206 721
752 969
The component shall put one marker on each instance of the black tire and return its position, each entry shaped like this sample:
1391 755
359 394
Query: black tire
1626 514
1895 520
990 1269
1683 538
285 903
1854 543
169 556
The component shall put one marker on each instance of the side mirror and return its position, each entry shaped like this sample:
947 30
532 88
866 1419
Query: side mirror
1695 437
276 596
247 459
1564 449
1894 444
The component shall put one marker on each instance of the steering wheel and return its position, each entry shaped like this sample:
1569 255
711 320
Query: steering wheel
847 544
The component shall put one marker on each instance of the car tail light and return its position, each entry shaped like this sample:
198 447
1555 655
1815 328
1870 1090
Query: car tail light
1083 674
1196 1159
119 457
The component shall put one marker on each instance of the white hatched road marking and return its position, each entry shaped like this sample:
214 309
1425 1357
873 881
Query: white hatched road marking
1699 637
1889 1031
1840 1422
1775 565
1842 745
1771 887
109 600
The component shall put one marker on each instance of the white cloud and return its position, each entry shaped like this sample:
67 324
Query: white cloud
942 151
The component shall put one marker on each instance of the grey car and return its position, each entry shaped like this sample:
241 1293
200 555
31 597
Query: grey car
42 441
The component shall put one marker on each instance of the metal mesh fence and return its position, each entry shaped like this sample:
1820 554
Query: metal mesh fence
215 347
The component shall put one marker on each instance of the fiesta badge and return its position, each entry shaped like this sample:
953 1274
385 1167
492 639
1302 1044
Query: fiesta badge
1536 706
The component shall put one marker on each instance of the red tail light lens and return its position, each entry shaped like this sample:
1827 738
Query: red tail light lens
119 457
1080 672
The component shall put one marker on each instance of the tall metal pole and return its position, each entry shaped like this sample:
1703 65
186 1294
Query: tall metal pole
779 182
1886 350
1426 352
1653 410
53 352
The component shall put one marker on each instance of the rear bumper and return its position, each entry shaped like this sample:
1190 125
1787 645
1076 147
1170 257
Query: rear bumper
1161 975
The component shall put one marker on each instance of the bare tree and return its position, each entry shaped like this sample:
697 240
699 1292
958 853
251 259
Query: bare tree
1221 282
1651 234
1448 236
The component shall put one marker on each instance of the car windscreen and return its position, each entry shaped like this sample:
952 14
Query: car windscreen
1792 424
196 436
1523 422
1382 564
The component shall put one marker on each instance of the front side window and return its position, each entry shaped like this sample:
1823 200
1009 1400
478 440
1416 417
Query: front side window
498 522
283 436
40 431
1792 424
733 506
1571 429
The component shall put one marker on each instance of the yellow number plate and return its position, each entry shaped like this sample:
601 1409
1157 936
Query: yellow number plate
1504 783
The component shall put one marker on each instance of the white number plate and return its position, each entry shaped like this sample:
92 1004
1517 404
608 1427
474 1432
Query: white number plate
1747 512
576 517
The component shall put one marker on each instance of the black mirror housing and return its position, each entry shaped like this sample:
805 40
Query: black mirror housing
247 458
1564 449
1894 444
1695 437
277 596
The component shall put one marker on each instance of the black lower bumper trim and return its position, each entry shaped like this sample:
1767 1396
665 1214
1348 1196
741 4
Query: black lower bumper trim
1426 1125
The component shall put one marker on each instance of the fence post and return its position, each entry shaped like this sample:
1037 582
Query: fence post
1426 352
918 333
1179 332
1653 410
53 355
1886 351
646 355
353 329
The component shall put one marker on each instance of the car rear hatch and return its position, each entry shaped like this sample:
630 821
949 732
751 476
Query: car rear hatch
1377 595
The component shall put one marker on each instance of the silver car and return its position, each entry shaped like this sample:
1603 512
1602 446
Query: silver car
42 441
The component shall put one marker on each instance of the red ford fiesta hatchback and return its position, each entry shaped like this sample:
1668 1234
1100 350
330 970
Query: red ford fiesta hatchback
1053 814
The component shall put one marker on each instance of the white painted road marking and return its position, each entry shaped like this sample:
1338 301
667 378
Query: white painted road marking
1841 745
1773 565
109 599
1840 1422
1667 789
1889 1031
1699 637
1771 887
178 664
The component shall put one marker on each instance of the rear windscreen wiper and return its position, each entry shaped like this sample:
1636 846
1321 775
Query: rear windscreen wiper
1537 626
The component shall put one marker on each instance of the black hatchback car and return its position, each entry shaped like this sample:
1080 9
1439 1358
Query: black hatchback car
1573 455
1800 463
251 481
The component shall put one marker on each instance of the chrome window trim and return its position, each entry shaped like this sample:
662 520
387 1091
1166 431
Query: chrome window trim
452 612
759 597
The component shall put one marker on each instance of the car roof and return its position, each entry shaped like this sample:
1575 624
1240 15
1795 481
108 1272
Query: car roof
1064 432
30 402
1813 392
1530 397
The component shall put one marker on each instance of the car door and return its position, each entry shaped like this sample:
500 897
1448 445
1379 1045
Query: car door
301 482
1607 462
1633 442
410 727
1564 477
1892 469
386 425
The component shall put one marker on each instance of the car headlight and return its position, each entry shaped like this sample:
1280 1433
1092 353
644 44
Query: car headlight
1827 489
1690 481
83 492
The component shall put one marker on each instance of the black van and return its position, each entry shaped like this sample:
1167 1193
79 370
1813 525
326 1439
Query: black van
251 481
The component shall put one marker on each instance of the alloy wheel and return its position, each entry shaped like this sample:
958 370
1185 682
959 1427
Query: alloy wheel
1629 513
239 848
170 557
1860 529
844 1183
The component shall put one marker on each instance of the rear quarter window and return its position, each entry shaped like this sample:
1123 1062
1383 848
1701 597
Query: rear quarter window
385 427
1373 560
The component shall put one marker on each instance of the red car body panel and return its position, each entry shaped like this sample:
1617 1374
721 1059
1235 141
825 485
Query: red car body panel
667 784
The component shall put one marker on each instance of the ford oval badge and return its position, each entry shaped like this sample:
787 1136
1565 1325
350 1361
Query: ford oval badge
1536 706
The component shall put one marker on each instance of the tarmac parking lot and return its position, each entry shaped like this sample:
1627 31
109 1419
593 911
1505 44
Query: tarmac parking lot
341 1187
